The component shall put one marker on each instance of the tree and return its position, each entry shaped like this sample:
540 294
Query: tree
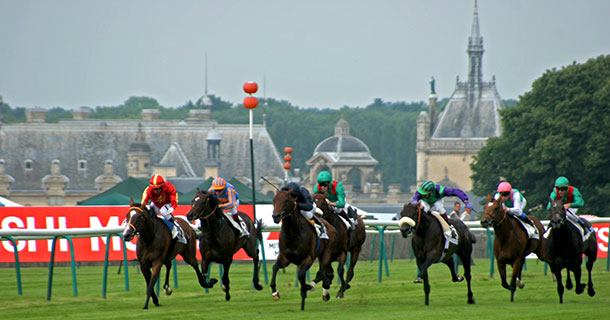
559 128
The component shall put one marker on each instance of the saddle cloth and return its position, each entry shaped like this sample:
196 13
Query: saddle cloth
532 233
583 235
315 227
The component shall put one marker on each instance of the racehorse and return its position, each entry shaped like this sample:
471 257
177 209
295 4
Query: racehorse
155 247
565 250
300 245
511 243
219 242
353 241
428 245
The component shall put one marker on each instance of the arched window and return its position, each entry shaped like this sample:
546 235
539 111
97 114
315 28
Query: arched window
82 165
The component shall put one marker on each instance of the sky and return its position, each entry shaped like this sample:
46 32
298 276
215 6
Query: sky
315 53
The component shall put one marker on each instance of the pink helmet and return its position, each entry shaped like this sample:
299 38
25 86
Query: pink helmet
504 187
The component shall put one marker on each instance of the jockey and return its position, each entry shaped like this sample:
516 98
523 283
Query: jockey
513 201
335 195
229 201
305 205
164 200
572 201
431 196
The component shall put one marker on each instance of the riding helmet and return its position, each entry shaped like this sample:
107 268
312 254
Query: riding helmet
219 184
324 176
504 187
156 181
562 182
426 187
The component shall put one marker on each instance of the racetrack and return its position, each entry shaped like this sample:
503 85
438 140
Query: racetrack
395 297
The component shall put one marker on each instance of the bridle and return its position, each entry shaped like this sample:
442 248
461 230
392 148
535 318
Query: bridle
284 213
501 208
207 204
128 222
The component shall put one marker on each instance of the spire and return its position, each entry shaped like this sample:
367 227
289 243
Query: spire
475 57
206 73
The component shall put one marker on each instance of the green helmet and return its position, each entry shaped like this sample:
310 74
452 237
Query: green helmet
426 187
324 176
562 182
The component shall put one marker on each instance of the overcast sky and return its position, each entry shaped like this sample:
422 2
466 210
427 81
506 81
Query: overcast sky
315 53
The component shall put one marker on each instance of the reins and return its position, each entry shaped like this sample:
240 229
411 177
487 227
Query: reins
129 222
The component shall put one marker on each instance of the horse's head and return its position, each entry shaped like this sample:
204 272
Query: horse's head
557 215
134 219
203 204
283 204
411 212
320 200
493 213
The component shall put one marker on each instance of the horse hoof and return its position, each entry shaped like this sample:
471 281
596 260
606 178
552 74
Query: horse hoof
340 295
308 287
227 297
168 291
276 296
580 289
418 280
591 292
312 286
471 301
458 279
258 286
326 297
520 284
224 289
347 286
212 282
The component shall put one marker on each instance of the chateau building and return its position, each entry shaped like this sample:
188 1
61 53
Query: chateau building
446 144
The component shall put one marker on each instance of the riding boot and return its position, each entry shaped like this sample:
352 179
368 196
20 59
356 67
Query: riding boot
177 231
323 234
587 229
444 215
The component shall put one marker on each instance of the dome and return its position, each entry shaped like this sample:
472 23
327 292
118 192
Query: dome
341 144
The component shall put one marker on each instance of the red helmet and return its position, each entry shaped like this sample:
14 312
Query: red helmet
504 187
219 184
156 181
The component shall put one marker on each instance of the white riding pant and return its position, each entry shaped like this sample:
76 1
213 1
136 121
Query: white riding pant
438 206
233 210
166 210
308 214
571 214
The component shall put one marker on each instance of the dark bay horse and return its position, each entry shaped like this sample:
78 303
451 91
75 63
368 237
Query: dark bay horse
511 243
155 247
219 242
299 245
428 244
566 248
353 242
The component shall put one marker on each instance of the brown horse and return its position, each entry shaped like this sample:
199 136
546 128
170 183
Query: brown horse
565 250
219 242
155 247
299 244
511 244
428 245
353 242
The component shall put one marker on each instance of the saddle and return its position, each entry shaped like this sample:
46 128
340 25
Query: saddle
532 233
584 235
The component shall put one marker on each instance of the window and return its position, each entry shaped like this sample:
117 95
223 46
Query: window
82 165
28 165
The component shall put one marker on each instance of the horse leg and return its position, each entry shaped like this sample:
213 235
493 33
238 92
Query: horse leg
580 287
281 262
302 271
168 291
354 255
517 265
569 284
466 264
191 258
205 265
502 272
225 279
147 275
454 276
319 277
557 272
327 274
591 257
424 275
252 251
423 267
340 272
153 278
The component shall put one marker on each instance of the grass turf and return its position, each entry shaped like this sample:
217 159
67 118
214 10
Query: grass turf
395 297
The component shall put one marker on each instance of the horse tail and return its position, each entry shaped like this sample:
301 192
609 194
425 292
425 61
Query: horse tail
259 230
473 239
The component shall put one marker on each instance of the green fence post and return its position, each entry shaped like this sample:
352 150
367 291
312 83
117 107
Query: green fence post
17 265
